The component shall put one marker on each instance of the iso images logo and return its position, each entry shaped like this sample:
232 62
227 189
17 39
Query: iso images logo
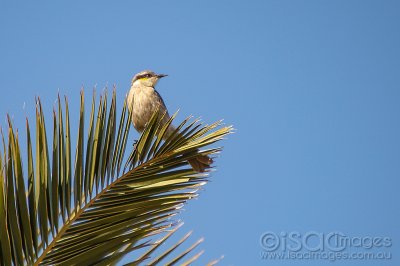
326 246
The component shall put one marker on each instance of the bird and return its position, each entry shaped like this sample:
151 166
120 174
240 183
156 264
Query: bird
143 100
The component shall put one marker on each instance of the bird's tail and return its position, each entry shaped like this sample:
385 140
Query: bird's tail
200 163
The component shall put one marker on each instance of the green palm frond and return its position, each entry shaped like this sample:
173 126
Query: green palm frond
91 210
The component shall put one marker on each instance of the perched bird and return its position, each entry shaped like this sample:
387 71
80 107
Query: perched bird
144 100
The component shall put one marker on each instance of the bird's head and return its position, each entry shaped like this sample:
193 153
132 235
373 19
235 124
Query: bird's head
147 78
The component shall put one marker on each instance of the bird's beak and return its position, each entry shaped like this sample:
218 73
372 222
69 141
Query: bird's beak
161 75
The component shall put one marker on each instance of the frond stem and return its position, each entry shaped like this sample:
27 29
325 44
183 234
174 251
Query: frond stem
76 215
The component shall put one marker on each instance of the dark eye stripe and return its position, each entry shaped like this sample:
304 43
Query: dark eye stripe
144 76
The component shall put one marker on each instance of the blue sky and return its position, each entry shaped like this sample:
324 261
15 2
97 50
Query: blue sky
312 88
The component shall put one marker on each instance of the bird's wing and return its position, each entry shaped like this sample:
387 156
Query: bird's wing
166 117
130 99
163 107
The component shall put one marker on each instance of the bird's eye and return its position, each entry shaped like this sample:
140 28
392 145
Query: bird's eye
148 76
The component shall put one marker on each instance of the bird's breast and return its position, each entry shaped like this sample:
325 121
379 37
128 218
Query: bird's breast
145 103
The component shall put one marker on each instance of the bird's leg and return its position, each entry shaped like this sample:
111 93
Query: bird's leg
130 159
135 143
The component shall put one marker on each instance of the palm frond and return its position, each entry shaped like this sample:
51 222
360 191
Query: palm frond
91 213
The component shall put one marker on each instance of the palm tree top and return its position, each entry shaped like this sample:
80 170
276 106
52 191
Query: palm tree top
102 204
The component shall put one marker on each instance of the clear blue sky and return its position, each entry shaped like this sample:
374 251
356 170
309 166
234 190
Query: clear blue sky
312 87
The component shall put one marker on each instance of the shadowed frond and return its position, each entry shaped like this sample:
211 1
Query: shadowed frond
59 211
